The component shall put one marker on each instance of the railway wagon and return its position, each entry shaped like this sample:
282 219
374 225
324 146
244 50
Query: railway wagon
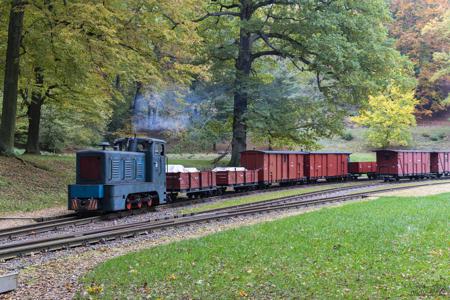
238 178
194 184
275 166
327 165
398 164
130 176
440 162
357 169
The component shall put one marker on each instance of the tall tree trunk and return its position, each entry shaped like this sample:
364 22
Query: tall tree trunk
243 67
9 111
34 115
136 117
34 120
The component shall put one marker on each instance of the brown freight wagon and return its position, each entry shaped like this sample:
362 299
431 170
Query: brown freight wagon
327 165
237 178
192 183
359 168
440 162
403 163
275 166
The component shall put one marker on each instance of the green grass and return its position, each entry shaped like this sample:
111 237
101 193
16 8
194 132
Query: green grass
362 156
266 196
387 248
37 183
199 160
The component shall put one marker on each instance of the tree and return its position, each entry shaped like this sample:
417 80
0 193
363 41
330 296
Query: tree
343 43
289 110
411 27
9 108
74 50
389 116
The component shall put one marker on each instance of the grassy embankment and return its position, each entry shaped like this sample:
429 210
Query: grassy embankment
423 137
388 248
34 183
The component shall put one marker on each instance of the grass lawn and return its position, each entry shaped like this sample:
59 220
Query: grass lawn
388 248
268 196
200 160
363 156
36 183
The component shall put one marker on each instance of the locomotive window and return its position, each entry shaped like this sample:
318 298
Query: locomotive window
141 148
159 149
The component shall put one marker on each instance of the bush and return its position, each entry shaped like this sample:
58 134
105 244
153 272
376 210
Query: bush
347 136
438 137
426 135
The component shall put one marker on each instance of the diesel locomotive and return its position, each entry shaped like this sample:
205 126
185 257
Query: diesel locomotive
132 175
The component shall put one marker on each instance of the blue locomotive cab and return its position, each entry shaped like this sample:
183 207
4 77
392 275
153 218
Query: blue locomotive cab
130 176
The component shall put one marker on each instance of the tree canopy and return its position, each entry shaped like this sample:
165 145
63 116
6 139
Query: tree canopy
275 73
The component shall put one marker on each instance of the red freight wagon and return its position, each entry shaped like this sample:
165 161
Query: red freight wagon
230 176
363 167
403 163
440 162
183 181
275 166
192 183
178 182
327 165
251 177
207 180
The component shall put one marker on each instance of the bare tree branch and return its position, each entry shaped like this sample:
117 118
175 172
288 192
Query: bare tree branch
270 2
217 14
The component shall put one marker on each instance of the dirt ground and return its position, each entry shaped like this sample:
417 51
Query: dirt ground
9 219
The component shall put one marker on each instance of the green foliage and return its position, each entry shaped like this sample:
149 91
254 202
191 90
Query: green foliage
389 117
288 110
347 136
388 248
341 46
74 50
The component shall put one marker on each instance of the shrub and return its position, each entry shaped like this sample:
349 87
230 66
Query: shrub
347 136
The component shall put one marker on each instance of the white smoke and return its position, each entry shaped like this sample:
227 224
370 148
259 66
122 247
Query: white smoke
154 111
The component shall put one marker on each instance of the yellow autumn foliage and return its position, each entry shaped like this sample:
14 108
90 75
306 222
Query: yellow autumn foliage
389 116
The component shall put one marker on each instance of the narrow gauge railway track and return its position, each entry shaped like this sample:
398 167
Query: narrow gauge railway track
72 220
32 229
56 222
66 241
12 250
233 194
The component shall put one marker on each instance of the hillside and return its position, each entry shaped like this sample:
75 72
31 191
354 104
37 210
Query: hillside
427 135
34 182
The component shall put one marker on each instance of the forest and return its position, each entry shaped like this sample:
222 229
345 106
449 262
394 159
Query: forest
269 73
